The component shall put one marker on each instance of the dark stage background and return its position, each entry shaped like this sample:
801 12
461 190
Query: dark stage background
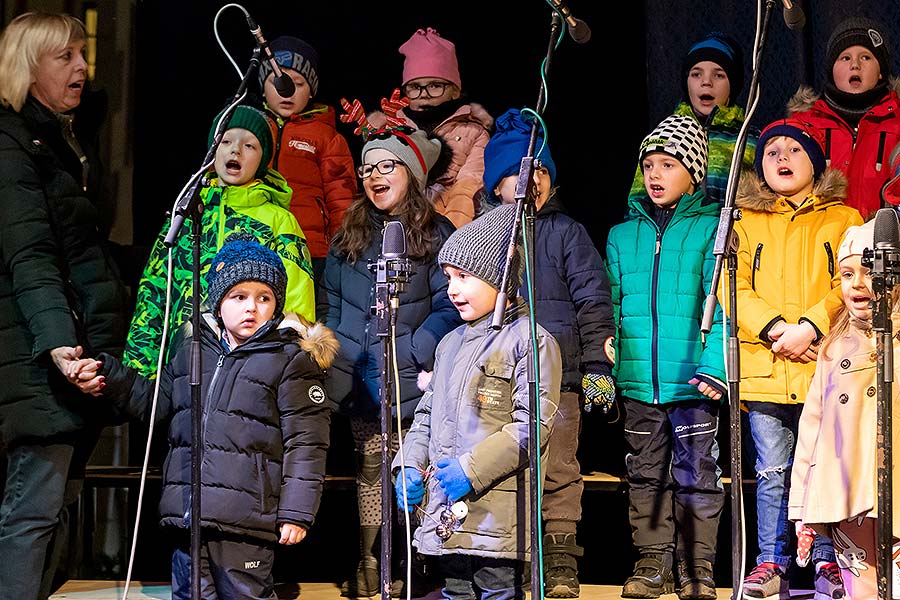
604 96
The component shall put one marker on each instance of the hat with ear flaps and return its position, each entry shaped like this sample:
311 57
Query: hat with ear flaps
480 248
415 148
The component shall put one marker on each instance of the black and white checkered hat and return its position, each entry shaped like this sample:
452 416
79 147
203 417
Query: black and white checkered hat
683 138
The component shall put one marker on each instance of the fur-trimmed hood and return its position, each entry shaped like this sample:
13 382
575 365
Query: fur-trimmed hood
315 338
805 96
754 194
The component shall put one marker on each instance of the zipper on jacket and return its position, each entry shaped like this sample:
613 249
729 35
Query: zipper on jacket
830 253
654 337
828 147
756 260
881 141
206 402
277 146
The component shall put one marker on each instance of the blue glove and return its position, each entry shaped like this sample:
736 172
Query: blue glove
415 489
452 478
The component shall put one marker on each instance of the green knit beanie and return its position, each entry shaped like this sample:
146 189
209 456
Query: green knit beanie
257 123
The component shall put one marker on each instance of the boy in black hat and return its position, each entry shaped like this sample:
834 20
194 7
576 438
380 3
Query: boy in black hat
858 111
313 157
266 423
712 75
464 456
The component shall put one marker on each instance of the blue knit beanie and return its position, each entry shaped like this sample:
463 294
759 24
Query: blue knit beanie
504 151
243 258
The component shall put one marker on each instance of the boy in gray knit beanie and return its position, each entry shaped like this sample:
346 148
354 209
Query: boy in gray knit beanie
474 419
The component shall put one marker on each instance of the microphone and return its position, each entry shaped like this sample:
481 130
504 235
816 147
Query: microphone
393 243
284 85
887 230
578 29
793 15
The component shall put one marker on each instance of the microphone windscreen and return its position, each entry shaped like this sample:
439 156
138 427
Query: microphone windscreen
887 229
794 18
581 33
284 85
393 244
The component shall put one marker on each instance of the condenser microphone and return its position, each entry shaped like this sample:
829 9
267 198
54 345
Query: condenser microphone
393 243
284 85
793 15
578 29
887 229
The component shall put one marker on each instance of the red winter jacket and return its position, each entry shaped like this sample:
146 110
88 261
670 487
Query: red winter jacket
865 165
316 162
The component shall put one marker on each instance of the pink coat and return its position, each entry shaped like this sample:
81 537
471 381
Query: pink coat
834 472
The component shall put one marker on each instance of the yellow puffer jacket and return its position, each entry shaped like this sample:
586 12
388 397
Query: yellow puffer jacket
787 266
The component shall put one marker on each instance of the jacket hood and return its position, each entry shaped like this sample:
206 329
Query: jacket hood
271 188
805 96
754 194
315 338
725 116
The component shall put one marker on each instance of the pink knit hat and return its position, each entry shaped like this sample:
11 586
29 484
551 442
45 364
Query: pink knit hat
429 55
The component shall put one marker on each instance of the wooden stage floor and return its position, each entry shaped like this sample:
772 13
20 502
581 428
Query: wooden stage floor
113 590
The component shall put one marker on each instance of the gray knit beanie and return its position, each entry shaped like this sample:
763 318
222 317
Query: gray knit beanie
480 248
683 138
243 258
414 147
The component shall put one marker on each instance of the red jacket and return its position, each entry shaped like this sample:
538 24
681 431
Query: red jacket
865 165
316 162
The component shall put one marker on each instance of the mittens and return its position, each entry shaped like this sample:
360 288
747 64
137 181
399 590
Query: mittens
599 390
452 478
415 488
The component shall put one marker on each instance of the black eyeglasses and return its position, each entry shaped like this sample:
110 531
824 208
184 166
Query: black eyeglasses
384 167
432 90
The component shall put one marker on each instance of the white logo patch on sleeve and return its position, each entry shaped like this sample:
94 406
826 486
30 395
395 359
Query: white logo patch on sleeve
317 394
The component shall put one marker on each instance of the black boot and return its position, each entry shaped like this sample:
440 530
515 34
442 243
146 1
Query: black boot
652 577
695 580
561 566
367 580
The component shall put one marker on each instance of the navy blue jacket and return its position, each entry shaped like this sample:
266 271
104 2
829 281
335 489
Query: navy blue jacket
572 293
424 316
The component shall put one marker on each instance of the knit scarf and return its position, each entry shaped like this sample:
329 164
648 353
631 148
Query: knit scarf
852 107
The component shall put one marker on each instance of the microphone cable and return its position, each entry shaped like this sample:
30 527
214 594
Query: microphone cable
219 39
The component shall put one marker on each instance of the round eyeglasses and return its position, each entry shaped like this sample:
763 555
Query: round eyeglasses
384 167
433 89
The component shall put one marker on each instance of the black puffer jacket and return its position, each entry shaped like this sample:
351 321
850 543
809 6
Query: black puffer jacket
572 293
425 315
58 286
265 427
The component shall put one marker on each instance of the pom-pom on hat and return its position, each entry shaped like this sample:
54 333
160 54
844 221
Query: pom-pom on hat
808 136
480 247
856 239
858 31
429 55
723 50
509 143
683 138
257 123
293 53
243 258
415 148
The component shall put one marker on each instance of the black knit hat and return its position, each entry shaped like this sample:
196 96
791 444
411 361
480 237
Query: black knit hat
723 50
257 123
480 248
293 53
243 258
858 31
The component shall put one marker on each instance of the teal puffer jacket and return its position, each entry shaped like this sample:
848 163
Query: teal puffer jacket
659 282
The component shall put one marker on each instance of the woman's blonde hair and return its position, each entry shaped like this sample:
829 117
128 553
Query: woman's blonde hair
25 40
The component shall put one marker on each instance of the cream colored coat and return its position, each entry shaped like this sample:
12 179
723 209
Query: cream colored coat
835 469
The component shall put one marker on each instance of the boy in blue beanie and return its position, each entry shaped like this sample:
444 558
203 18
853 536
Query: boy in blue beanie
572 301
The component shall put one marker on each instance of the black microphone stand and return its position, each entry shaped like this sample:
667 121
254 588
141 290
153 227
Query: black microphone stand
726 247
885 268
190 205
391 276
524 197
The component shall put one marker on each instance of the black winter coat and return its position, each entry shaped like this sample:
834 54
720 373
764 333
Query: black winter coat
572 293
265 428
58 286
424 316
